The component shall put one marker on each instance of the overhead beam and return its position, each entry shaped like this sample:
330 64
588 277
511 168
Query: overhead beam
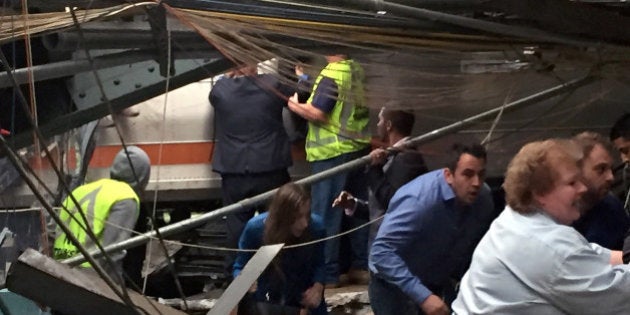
570 18
60 5
527 34
307 11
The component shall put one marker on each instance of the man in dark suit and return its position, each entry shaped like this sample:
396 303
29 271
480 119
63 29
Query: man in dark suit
252 151
386 172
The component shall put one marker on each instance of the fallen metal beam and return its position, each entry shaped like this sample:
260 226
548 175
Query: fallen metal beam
250 273
259 199
70 291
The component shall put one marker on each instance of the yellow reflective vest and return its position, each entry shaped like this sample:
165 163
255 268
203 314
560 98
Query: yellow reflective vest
347 129
96 200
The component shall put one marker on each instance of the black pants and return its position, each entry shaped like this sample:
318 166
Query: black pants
388 299
249 306
236 187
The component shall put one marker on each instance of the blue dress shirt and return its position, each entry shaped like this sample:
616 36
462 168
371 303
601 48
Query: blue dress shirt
425 235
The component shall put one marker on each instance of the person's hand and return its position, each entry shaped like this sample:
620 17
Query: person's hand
254 287
378 156
344 200
313 295
433 305
293 101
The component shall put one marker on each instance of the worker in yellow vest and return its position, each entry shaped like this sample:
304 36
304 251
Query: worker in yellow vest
338 132
111 206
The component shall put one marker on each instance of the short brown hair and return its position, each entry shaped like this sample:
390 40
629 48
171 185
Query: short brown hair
589 139
401 120
533 171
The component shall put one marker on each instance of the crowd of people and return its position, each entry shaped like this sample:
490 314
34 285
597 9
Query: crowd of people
560 246
556 248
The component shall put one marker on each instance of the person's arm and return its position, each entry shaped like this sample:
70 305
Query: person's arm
307 110
122 218
246 241
584 282
313 296
405 166
349 203
322 103
405 218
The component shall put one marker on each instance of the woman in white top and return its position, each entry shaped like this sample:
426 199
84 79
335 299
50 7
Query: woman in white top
531 261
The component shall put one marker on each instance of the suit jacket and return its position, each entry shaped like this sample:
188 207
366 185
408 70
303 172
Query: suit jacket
401 168
250 134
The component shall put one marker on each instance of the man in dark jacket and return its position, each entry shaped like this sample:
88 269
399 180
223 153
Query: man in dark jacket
252 151
386 172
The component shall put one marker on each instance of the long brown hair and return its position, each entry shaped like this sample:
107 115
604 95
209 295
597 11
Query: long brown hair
284 208
283 211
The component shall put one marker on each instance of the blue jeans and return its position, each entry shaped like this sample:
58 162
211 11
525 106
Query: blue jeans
388 299
322 194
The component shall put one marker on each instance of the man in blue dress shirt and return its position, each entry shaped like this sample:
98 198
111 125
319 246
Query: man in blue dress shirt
430 230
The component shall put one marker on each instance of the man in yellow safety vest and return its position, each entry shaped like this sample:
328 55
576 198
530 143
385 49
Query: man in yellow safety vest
337 133
110 205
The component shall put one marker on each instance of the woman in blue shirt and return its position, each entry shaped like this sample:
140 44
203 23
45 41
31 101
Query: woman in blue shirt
295 277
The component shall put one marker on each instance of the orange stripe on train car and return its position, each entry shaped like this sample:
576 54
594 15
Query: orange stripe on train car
172 154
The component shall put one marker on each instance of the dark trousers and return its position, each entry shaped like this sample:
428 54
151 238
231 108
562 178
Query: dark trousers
388 299
322 195
236 187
